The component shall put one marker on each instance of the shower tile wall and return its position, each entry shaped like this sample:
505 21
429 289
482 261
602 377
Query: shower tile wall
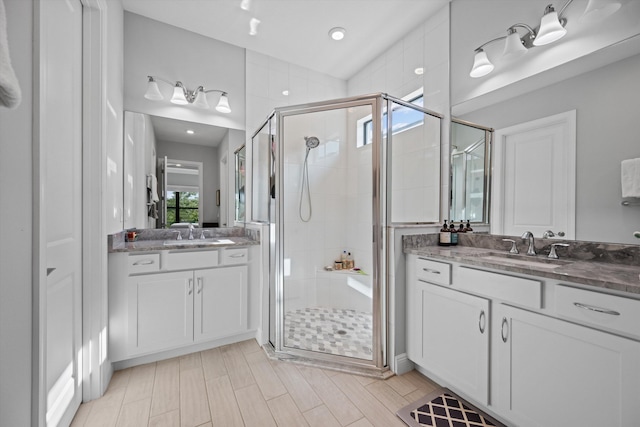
340 178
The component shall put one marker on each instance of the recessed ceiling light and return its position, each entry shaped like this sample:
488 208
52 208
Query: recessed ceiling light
245 4
419 71
190 132
337 33
285 92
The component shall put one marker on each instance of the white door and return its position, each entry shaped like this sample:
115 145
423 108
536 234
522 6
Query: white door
60 208
534 177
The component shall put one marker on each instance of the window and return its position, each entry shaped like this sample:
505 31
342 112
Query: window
182 206
402 118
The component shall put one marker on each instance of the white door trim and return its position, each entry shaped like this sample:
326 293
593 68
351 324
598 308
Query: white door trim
97 369
568 119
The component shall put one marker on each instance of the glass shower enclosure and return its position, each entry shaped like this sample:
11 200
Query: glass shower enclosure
320 175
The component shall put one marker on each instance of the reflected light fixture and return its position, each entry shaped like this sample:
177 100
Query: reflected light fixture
245 4
253 26
183 96
551 29
190 132
418 71
337 33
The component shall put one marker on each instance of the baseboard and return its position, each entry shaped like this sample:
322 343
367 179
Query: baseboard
162 355
402 364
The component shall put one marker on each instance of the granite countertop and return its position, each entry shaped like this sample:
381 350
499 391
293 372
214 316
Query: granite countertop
163 240
608 275
163 245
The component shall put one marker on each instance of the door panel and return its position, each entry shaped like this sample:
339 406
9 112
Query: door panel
60 113
534 179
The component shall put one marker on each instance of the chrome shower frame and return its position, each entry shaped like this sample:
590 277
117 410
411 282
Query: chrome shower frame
379 103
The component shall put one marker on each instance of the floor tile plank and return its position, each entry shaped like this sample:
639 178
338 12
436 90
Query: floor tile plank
213 364
166 389
104 411
194 404
140 384
299 389
387 395
135 414
222 403
168 419
266 378
321 416
401 385
253 408
237 367
335 400
285 412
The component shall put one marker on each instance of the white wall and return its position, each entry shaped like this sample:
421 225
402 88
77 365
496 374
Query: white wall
15 226
607 133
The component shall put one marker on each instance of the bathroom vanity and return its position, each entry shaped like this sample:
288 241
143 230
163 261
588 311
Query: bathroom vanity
169 295
533 341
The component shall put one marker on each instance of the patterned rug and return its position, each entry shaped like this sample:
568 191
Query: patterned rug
442 408
330 330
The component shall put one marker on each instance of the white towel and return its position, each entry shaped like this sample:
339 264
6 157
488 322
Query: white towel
153 188
630 177
10 95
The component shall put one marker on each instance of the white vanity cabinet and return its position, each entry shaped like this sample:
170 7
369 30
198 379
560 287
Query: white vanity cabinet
171 299
550 353
555 373
448 330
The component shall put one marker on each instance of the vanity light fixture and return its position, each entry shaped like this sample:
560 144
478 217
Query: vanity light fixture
183 96
418 71
551 29
337 33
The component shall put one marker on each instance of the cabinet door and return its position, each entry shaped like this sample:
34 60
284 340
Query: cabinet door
455 339
160 311
556 373
220 302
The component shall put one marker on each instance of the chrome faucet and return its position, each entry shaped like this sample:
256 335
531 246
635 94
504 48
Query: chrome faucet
190 231
531 250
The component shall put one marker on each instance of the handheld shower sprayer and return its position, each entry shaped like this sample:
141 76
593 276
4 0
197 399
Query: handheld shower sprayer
311 142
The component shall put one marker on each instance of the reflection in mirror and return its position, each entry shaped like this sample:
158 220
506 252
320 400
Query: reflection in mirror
241 180
148 138
470 171
182 202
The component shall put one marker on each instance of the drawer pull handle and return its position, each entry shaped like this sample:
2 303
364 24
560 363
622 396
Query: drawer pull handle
199 284
596 309
482 322
504 330
429 270
144 262
190 288
236 256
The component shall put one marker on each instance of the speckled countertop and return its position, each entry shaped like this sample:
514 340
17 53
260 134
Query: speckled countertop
609 266
163 240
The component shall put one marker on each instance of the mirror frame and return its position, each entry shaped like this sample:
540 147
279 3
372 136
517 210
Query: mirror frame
240 183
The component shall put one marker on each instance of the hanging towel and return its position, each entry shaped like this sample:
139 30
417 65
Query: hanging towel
630 178
153 188
10 95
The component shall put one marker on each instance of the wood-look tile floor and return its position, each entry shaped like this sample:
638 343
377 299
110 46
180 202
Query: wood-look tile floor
238 385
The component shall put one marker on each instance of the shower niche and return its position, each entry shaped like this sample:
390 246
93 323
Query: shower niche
323 179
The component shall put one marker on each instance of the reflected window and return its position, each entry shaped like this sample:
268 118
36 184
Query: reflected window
182 206
402 119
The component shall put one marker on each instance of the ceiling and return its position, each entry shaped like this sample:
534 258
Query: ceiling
173 130
297 31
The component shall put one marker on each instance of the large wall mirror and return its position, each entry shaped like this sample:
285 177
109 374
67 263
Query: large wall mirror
601 86
172 172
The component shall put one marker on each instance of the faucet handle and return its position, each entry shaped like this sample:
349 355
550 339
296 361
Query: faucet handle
179 236
202 235
514 248
552 251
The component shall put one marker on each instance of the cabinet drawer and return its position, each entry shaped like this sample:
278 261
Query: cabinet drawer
433 271
234 256
143 263
594 308
183 260
516 290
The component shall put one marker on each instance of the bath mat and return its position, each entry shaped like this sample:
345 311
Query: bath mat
442 408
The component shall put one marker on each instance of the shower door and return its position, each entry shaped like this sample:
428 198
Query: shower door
328 215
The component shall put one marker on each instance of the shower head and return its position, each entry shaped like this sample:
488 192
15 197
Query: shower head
312 142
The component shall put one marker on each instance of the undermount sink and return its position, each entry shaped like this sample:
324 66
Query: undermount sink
539 261
197 242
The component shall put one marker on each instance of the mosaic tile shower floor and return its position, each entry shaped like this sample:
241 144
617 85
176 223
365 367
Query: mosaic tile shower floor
330 330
